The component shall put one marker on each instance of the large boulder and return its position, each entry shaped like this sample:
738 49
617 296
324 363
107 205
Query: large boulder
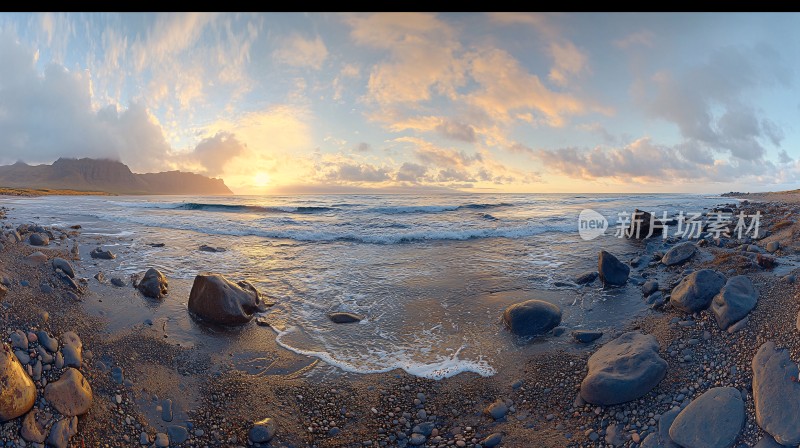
154 284
611 270
532 317
679 253
776 393
18 392
734 301
696 290
713 420
623 370
217 300
71 395
643 221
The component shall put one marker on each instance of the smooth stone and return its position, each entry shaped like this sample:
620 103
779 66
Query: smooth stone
37 239
101 254
71 395
177 434
532 317
492 440
19 340
34 426
586 277
117 374
611 270
64 265
206 248
696 291
36 258
734 301
586 336
166 410
18 392
217 300
649 287
144 439
776 394
262 431
162 440
416 439
679 253
72 349
712 420
768 442
623 369
62 431
118 282
344 318
22 356
153 284
773 246
47 341
497 410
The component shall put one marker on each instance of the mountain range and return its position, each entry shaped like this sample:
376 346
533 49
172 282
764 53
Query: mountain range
107 176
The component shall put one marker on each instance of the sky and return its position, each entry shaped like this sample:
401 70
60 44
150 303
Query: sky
404 102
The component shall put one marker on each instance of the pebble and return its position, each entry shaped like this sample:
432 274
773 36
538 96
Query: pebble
166 410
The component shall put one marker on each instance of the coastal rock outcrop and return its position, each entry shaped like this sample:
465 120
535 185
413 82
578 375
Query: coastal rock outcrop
680 253
217 300
623 370
776 393
696 290
734 301
611 270
71 395
153 284
532 317
18 392
713 420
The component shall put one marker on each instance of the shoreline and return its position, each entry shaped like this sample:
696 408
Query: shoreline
35 192
216 402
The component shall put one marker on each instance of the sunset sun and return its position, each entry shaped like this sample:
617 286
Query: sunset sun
261 179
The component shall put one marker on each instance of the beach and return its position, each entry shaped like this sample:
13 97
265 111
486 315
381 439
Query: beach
159 376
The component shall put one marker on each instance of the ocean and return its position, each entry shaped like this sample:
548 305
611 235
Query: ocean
431 274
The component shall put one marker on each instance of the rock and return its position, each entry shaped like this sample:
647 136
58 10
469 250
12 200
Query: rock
262 431
649 287
586 278
18 392
215 299
166 410
100 277
776 394
586 336
661 439
492 440
72 350
344 318
36 258
679 253
34 426
623 370
19 340
532 317
37 239
102 254
64 265
734 301
47 341
768 442
696 290
773 246
144 439
417 439
118 282
177 434
22 356
154 284
640 225
162 440
205 248
611 270
117 374
713 420
615 435
71 395
497 410
738 325
62 431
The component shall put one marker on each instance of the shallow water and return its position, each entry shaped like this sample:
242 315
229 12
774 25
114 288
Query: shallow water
431 274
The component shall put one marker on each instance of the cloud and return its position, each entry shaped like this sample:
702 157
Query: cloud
456 130
213 153
411 172
710 102
639 38
352 172
363 147
299 51
568 61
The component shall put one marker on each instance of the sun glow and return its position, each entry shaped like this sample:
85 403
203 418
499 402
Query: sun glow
261 179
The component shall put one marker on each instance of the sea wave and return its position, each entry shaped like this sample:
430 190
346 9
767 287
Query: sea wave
435 208
230 208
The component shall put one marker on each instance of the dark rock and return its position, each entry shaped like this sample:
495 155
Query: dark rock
696 290
532 317
262 431
166 410
734 301
64 265
586 336
622 370
35 425
768 442
100 277
215 299
156 244
586 278
177 434
492 440
713 420
345 318
37 239
153 284
611 270
776 393
661 438
118 282
102 254
649 287
62 431
773 246
680 253
640 225
47 341
497 410
205 248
